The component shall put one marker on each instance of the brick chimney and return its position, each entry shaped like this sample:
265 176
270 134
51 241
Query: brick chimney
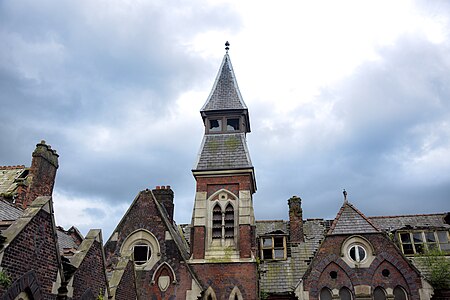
296 219
42 174
164 195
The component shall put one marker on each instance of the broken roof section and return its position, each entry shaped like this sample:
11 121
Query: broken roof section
225 94
350 220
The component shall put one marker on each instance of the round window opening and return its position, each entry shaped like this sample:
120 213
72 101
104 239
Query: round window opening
357 253
141 253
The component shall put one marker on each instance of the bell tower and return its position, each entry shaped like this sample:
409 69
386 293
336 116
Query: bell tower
223 218
223 222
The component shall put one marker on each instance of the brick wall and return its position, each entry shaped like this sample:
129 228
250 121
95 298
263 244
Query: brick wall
34 249
90 273
387 256
223 277
127 287
243 181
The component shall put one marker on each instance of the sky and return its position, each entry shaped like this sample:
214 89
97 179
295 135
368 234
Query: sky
348 95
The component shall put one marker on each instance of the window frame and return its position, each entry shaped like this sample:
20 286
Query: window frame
425 242
272 247
223 124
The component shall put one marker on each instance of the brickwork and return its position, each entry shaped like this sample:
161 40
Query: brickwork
34 249
244 182
165 196
198 242
387 257
295 220
90 273
223 277
212 188
245 241
127 287
41 178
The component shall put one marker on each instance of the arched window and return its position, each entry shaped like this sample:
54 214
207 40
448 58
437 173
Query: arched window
400 294
325 294
379 294
141 253
217 222
345 294
229 221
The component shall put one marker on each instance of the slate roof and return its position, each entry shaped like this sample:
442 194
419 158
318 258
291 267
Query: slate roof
392 223
350 220
9 178
9 212
65 240
225 93
223 151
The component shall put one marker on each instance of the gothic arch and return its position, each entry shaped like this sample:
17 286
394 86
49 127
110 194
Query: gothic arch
330 273
159 270
145 237
217 193
209 294
386 264
236 294
27 284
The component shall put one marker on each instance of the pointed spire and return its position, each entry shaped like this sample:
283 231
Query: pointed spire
225 94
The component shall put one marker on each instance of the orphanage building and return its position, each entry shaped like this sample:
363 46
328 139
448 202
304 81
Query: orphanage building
224 253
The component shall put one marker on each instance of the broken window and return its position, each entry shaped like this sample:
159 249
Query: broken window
141 254
420 241
215 125
357 253
233 124
273 248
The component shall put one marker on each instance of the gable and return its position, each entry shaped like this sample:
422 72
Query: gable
350 220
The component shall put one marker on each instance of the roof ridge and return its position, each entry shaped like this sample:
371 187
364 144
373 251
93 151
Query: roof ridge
12 167
357 211
412 215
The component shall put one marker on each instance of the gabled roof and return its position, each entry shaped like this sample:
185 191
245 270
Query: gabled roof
350 220
223 151
225 94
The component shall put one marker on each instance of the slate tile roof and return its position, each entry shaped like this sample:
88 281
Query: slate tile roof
350 220
8 178
225 93
9 212
392 223
223 151
65 240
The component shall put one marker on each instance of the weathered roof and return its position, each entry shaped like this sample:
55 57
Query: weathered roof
9 176
392 223
223 151
350 220
269 226
225 93
9 212
65 240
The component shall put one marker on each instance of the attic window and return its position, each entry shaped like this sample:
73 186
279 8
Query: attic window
215 125
233 124
141 254
420 241
273 248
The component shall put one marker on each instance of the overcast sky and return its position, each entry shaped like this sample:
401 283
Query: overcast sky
341 94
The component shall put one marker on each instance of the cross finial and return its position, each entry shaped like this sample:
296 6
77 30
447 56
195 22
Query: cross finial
345 196
227 46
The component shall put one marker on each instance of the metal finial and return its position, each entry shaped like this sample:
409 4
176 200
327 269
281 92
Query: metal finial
345 195
227 46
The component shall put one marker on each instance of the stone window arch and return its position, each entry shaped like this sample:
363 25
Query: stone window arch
222 207
235 294
379 294
143 248
357 252
400 293
325 294
209 294
163 276
345 294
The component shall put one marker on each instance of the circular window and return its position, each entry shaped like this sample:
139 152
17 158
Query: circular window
333 274
357 253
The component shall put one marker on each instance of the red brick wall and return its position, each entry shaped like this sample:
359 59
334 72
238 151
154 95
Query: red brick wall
245 239
127 287
387 256
90 273
34 249
243 181
198 242
223 277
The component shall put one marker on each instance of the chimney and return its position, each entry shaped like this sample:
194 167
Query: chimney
41 177
296 219
164 195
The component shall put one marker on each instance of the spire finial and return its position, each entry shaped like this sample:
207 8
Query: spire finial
345 196
227 46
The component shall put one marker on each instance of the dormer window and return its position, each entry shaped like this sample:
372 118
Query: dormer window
273 247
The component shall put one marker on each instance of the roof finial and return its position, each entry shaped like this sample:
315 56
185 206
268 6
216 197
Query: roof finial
227 46
345 196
